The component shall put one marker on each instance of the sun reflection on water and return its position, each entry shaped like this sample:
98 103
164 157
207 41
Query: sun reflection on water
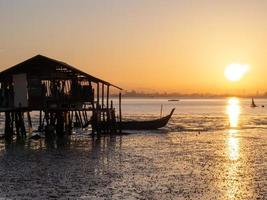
233 148
233 111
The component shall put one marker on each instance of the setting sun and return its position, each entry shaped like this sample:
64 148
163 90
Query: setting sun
234 72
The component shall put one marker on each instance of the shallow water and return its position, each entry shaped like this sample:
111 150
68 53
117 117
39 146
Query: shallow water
211 149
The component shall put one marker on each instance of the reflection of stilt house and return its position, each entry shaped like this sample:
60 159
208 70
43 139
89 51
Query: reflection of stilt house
63 95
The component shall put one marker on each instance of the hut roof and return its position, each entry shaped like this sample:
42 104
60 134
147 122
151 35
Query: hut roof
41 64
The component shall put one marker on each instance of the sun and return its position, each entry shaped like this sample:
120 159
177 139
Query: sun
234 72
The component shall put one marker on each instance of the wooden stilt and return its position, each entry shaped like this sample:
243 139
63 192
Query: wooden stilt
85 115
120 112
80 119
59 123
97 111
40 121
103 94
85 119
70 123
22 124
102 105
71 119
108 110
17 125
97 96
113 118
8 128
46 116
107 97
29 122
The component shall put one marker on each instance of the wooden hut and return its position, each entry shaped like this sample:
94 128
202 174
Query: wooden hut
63 95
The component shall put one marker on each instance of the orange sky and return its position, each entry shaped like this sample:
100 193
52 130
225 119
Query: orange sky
171 45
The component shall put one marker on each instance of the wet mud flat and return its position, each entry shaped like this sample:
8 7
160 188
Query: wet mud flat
176 165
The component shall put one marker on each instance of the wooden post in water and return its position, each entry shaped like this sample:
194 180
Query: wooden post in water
85 116
120 112
97 110
12 121
81 120
66 121
30 122
113 118
108 110
17 125
103 97
103 94
97 96
8 130
22 124
70 116
59 123
40 121
108 97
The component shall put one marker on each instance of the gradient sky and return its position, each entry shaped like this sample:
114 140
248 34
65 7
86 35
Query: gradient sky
159 45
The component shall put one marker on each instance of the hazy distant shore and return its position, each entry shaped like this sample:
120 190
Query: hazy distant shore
134 94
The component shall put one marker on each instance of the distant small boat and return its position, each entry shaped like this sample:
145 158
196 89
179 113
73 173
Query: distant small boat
173 100
146 125
253 105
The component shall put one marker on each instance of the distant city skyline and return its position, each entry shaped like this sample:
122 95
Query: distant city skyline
173 46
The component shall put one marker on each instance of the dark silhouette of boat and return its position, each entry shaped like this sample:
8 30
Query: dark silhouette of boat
173 100
35 136
146 125
253 105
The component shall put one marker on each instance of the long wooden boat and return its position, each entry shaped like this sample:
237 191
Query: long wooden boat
145 125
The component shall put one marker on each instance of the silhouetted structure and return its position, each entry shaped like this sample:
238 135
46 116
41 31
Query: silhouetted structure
146 125
253 105
63 96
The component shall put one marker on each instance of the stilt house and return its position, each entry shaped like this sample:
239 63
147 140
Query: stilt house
51 86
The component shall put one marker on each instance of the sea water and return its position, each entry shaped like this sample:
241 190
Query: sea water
210 149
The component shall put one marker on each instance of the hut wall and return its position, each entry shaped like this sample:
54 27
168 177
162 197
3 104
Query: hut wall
20 90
